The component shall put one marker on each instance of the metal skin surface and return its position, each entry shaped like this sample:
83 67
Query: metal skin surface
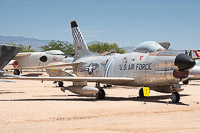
33 60
7 53
146 69
160 70
194 73
155 69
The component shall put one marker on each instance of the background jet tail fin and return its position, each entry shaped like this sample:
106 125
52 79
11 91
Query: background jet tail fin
80 45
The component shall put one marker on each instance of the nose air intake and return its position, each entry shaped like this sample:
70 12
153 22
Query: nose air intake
184 62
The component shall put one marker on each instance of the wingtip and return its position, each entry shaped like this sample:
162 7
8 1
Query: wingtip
74 24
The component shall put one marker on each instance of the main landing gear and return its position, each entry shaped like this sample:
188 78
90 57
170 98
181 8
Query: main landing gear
60 83
186 82
16 72
101 94
175 97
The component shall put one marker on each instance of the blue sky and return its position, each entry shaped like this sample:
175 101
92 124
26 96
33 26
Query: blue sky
126 22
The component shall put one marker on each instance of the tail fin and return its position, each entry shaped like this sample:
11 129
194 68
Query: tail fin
7 53
80 45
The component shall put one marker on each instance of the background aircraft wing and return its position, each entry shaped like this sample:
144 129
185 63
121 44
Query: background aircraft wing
111 80
53 65
22 54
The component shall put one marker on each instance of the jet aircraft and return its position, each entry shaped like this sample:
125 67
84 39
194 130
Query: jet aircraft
31 60
160 70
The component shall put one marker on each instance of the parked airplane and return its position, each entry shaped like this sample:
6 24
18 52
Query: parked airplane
31 60
161 70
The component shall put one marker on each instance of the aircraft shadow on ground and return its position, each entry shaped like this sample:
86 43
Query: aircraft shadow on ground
152 99
33 74
190 84
8 92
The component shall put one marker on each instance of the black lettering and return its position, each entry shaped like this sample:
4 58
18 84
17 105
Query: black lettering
140 67
150 66
143 67
147 66
124 66
132 66
120 66
137 66
129 67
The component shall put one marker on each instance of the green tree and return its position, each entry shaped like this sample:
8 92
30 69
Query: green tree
103 47
12 44
26 48
59 45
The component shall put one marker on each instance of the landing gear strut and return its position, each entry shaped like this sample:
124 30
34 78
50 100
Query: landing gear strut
175 97
186 82
60 83
101 94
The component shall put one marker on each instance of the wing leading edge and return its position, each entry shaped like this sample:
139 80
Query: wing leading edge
114 80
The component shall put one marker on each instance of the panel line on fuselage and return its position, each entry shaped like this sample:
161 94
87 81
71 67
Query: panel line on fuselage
108 67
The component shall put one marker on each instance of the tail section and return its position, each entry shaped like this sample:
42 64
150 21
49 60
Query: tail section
80 45
7 53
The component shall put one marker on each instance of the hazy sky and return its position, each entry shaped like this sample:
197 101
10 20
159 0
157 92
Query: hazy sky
127 22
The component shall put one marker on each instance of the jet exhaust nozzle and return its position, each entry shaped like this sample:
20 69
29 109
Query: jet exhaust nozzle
184 62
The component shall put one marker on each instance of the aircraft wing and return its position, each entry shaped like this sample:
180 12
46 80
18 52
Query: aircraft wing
53 65
22 54
114 80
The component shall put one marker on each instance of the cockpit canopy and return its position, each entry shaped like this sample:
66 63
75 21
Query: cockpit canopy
151 46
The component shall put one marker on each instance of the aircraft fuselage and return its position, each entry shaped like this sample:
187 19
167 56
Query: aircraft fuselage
146 69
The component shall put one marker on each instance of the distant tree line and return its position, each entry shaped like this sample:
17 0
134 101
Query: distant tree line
69 48
104 46
59 45
28 48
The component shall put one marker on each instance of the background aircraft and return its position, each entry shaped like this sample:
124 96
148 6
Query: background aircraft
161 70
31 60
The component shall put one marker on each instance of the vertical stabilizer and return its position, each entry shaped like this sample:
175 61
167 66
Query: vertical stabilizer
80 45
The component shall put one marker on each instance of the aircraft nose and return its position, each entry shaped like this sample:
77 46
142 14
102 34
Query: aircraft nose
184 62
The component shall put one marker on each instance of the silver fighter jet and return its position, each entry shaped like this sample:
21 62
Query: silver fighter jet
160 70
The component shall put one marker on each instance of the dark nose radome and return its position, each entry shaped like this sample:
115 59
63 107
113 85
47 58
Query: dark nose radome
184 62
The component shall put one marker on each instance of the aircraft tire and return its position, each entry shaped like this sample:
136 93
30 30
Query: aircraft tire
108 85
101 94
186 82
16 72
175 97
60 83
141 93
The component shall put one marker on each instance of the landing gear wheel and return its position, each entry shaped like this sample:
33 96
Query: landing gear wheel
101 94
141 93
186 82
60 83
175 97
16 72
108 85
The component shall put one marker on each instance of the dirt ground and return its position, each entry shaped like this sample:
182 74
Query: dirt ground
32 106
